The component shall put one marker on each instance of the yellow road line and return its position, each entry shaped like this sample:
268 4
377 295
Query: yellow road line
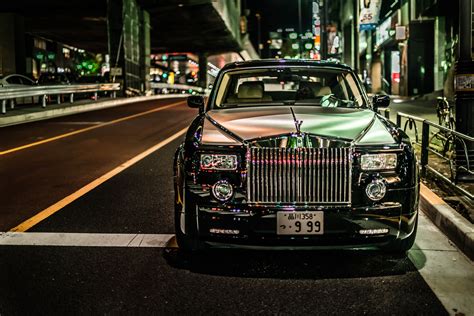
8 151
87 188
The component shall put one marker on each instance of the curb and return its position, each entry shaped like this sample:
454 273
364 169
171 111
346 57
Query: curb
458 229
43 114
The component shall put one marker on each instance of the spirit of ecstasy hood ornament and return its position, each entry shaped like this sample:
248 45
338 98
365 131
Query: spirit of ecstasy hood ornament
297 123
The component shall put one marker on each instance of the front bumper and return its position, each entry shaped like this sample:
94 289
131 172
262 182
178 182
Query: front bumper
245 225
256 227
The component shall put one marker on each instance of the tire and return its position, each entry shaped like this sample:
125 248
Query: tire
401 246
186 243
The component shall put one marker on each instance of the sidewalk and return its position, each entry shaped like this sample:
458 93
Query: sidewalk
34 112
458 229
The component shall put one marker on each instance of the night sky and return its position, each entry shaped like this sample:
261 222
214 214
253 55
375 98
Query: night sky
276 14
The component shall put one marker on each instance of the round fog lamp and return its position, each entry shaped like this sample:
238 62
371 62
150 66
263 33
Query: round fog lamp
222 190
376 190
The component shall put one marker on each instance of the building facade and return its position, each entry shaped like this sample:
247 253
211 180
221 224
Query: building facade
410 51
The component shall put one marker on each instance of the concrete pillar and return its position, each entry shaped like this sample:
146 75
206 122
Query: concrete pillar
129 44
12 44
145 48
115 40
202 75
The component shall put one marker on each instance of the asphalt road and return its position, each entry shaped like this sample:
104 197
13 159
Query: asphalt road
97 270
48 172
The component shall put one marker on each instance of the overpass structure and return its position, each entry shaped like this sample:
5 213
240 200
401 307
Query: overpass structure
128 30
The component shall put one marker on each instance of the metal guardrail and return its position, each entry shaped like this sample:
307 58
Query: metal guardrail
176 87
10 94
450 144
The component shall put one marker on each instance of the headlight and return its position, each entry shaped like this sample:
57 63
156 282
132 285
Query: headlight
378 161
218 162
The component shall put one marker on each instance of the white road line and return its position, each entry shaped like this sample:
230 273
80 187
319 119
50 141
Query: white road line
449 273
88 240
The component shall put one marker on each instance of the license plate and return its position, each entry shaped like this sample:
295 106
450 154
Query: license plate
300 223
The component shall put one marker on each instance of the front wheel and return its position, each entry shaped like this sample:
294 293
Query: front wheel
186 243
183 211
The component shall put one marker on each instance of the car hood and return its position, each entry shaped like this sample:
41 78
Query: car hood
258 122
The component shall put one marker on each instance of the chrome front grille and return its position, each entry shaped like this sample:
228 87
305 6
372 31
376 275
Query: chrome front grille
299 175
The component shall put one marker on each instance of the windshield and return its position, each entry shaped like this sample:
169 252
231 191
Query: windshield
288 86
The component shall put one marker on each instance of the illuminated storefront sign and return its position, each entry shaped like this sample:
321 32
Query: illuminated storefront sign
464 82
383 32
369 14
395 66
276 42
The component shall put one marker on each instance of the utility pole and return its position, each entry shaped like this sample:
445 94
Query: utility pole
356 36
464 97
324 24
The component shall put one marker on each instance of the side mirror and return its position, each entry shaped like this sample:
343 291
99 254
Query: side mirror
380 101
196 101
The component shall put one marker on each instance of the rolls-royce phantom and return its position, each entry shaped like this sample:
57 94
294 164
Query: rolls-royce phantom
289 154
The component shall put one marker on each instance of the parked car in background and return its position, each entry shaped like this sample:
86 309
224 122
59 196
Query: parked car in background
16 80
293 154
93 79
56 79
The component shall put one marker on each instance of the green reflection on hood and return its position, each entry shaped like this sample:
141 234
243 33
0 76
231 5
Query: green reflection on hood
255 122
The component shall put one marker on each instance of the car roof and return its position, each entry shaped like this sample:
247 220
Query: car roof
16 75
286 62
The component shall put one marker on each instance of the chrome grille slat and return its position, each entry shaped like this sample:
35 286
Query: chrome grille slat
318 176
299 175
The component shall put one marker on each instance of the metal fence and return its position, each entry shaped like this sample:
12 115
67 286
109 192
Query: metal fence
448 147
11 94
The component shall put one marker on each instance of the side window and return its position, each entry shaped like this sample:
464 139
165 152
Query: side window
14 80
27 81
24 81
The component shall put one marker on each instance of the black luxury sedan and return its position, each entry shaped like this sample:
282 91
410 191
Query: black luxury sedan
291 154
